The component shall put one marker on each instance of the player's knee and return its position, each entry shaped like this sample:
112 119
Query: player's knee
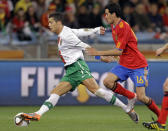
165 85
142 98
108 83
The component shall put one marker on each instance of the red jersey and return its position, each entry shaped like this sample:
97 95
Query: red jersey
18 23
126 40
165 20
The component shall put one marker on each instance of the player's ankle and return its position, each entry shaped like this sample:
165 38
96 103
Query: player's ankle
132 110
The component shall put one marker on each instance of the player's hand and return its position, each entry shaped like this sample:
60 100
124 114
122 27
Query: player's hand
91 51
159 51
166 83
108 59
102 30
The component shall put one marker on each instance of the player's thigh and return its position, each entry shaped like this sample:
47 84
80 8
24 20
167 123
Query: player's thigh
111 77
140 91
91 84
62 88
165 85
116 73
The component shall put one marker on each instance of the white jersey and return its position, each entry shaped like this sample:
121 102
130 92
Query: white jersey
70 46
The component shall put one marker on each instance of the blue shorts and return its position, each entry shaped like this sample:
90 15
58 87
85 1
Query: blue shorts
138 76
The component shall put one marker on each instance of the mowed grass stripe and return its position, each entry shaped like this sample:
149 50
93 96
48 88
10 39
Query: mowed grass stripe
77 118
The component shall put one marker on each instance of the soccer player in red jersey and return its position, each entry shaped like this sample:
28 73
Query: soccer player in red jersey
131 64
160 124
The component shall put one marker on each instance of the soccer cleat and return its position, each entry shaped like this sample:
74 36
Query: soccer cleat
131 102
134 116
31 116
154 125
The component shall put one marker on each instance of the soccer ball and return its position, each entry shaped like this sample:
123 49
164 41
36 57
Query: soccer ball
19 121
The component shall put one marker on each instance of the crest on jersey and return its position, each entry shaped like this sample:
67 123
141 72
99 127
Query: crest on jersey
118 45
121 25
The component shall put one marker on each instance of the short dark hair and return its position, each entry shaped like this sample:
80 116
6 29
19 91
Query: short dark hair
114 8
57 16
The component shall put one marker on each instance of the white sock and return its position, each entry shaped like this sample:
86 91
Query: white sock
109 96
43 109
122 105
48 104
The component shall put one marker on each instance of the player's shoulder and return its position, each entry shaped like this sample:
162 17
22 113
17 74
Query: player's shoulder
123 25
66 32
69 30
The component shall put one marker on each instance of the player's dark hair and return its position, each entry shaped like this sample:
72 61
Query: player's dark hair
114 8
57 16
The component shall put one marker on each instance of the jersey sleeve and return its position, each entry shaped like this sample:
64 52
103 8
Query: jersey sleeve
122 36
74 41
86 32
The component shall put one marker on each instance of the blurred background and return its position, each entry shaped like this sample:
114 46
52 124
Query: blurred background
24 25
30 66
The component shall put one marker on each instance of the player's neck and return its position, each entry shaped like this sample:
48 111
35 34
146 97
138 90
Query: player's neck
59 30
117 20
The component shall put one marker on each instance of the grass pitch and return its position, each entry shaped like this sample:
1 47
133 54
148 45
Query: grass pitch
76 118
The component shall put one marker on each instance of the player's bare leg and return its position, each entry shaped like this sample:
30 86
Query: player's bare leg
141 95
61 88
110 82
146 100
109 97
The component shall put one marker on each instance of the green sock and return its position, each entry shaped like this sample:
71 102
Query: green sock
113 100
48 104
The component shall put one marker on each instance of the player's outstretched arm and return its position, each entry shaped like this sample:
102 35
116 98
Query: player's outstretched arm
108 59
162 50
89 32
94 52
75 42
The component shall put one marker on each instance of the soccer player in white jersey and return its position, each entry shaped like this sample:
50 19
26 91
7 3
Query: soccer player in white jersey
77 72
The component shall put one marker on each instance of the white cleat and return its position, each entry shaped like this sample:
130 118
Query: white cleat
134 116
130 109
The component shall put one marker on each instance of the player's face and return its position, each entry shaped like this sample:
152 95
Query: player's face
109 17
53 25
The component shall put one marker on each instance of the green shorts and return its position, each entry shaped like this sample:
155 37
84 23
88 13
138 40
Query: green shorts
76 73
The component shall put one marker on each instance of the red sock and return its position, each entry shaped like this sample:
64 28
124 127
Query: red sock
164 111
122 91
153 107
